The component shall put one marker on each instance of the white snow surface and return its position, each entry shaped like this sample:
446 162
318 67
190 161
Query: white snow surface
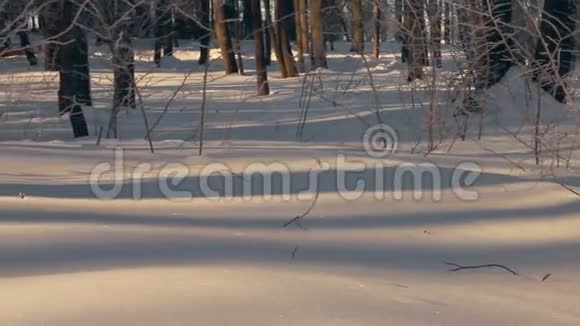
69 258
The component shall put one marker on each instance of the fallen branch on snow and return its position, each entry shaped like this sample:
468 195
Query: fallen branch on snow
458 267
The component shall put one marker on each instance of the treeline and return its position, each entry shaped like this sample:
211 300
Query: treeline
493 35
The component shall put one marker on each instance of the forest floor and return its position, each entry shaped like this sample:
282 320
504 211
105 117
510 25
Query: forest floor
177 246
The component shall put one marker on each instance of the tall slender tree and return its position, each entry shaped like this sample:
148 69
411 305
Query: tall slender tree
204 22
434 12
299 34
164 32
318 46
236 31
304 26
377 20
72 63
261 70
499 42
358 36
247 16
50 18
25 44
223 37
273 37
283 17
414 38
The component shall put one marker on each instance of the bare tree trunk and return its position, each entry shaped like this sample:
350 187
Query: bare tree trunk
414 32
498 38
237 26
28 51
304 25
274 39
447 21
299 34
163 31
247 24
206 32
358 36
224 40
70 61
435 24
261 71
282 19
378 17
83 70
50 17
169 37
124 72
318 47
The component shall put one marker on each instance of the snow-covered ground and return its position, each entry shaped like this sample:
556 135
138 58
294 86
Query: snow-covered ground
371 258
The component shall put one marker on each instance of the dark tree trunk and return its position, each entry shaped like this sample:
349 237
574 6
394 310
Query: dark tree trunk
414 38
304 25
267 43
247 24
205 32
333 17
273 31
497 39
169 38
121 47
223 36
182 27
554 58
25 44
289 12
236 35
261 71
318 47
358 36
163 31
50 19
378 17
299 34
282 19
73 68
83 70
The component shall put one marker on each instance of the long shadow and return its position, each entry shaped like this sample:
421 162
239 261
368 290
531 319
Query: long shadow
148 250
313 221
254 180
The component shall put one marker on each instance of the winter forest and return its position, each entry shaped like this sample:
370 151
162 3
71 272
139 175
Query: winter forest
289 162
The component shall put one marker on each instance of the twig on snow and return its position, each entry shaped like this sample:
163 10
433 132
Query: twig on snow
457 267
546 277
296 220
